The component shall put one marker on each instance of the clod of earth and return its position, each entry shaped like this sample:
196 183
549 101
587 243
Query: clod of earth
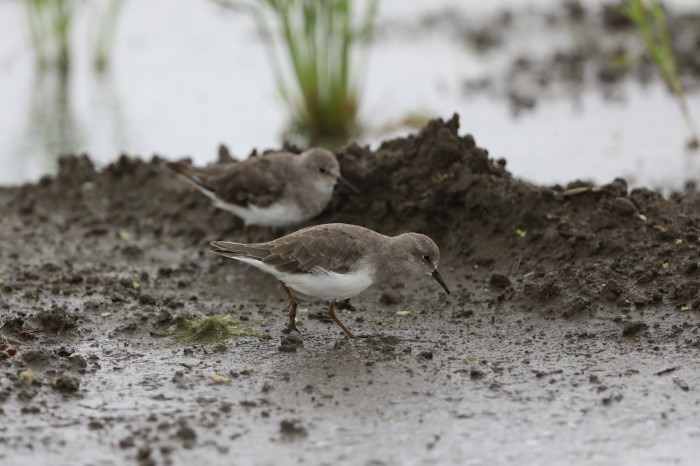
66 384
292 429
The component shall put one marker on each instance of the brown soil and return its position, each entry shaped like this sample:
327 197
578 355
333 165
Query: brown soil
572 335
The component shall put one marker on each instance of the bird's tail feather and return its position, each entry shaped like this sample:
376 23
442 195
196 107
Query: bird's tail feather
240 250
188 173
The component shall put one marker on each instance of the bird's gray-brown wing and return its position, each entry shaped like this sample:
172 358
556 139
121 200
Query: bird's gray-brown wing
310 250
322 247
259 180
199 175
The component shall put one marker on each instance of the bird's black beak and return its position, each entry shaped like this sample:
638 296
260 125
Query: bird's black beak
348 185
438 278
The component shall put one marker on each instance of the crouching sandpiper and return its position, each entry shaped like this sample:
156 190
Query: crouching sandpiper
278 189
336 261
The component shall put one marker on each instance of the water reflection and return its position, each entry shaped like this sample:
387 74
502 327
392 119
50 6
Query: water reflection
52 128
108 107
55 126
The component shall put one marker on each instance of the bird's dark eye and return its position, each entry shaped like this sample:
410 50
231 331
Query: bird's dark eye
322 170
427 257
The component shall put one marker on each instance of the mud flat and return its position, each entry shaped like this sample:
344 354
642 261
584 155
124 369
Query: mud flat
572 335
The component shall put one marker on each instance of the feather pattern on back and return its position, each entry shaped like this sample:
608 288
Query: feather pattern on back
311 250
258 180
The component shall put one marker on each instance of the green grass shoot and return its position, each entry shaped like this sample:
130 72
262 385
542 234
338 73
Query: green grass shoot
107 34
320 41
51 25
650 20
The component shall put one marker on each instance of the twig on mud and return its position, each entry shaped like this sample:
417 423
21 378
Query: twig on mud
668 370
570 233
62 327
540 374
10 342
581 190
589 353
516 264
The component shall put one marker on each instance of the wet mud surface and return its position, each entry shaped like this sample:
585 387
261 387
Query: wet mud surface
572 335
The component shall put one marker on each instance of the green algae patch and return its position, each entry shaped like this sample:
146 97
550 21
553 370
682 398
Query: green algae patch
211 330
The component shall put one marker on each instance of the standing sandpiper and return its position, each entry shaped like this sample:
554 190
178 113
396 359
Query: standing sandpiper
336 261
277 189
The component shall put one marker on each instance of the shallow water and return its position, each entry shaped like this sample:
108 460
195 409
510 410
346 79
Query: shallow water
187 77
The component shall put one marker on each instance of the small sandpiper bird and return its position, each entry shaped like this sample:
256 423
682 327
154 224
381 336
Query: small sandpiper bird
277 189
336 261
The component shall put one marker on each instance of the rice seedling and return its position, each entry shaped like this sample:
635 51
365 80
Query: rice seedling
107 34
51 24
321 42
649 18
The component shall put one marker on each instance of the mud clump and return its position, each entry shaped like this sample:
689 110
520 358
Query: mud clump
498 280
13 325
56 320
292 429
631 329
66 384
290 342
187 435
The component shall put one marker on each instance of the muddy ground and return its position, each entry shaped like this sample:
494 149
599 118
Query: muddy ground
572 335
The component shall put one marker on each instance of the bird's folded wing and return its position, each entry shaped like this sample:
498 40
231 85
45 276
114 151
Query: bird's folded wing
259 181
328 251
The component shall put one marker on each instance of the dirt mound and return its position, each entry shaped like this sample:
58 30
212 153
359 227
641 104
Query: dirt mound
413 183
571 249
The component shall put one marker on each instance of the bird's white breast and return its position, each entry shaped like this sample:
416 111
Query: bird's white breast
329 285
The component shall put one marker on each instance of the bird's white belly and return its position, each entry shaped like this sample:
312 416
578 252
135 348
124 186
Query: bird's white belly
329 285
275 215
322 283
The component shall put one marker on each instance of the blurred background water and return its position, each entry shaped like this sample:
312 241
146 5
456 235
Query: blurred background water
188 75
